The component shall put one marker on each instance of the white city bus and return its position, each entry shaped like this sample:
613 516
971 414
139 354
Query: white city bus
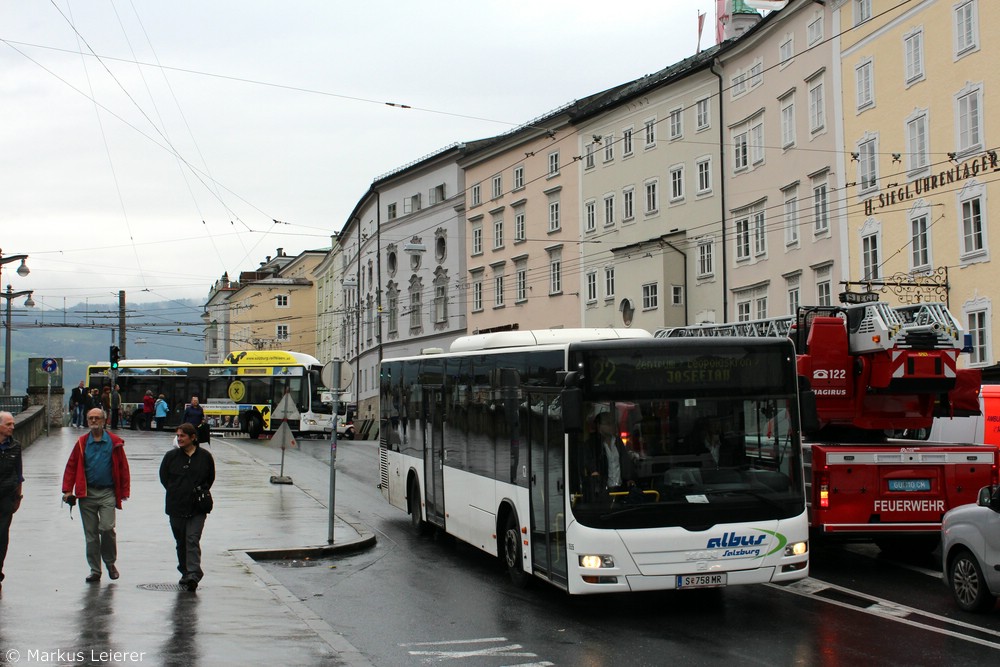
493 443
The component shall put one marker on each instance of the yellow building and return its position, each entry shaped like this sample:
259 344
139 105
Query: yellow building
917 79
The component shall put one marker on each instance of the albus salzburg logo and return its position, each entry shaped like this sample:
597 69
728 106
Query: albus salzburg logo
737 545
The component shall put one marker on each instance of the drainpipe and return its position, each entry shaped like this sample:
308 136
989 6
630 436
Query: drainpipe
722 196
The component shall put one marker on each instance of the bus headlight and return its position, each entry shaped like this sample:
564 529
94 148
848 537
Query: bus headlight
796 549
595 561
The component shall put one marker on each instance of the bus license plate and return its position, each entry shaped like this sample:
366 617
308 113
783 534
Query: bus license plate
909 485
701 580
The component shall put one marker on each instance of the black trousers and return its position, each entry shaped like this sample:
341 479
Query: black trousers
5 520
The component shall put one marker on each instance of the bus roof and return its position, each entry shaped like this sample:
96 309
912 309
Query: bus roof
503 339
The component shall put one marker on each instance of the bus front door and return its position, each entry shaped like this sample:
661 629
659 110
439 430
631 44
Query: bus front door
548 521
433 435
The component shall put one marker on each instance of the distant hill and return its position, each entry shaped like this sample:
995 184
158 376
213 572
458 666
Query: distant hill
82 335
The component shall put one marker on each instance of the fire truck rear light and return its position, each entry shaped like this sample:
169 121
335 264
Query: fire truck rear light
876 339
824 496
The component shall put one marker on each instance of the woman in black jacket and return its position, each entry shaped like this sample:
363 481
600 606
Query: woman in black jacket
184 471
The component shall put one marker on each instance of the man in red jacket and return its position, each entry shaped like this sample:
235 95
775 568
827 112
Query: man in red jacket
97 474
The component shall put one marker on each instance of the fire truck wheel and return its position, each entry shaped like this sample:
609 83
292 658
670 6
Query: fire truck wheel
965 578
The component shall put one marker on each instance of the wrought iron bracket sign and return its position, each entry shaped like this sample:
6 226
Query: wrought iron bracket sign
907 287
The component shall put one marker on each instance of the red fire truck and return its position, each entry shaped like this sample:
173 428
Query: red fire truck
868 372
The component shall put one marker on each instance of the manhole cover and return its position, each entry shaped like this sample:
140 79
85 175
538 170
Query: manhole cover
170 588
294 562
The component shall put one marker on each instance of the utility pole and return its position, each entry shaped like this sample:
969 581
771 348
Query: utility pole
121 324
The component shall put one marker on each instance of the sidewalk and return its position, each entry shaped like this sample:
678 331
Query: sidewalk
240 615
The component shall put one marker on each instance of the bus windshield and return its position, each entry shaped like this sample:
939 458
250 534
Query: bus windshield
687 441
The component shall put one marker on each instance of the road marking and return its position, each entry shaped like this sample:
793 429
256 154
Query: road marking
508 650
906 566
876 606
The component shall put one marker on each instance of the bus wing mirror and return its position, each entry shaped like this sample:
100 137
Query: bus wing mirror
807 407
571 399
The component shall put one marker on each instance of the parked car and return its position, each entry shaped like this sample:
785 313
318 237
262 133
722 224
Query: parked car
345 429
970 551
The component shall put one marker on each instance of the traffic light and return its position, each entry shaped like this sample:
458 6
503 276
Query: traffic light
114 357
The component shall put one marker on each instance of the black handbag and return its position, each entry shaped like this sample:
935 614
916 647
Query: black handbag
202 502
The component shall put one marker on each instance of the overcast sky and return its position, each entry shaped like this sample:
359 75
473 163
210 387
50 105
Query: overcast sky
156 177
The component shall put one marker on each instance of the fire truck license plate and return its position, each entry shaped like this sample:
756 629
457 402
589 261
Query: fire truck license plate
909 485
701 580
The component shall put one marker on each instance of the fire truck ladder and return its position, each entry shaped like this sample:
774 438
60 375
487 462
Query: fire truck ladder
871 327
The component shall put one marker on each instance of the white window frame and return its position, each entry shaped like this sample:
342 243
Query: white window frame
519 177
757 140
555 272
281 301
652 196
553 164
741 152
821 205
649 127
650 296
627 141
817 102
969 119
677 184
920 239
791 210
756 73
917 150
676 295
706 257
786 51
498 289
676 124
281 332
498 232
864 81
628 204
497 186
591 286
477 239
759 224
609 282
741 227
477 292
966 27
862 11
609 210
609 147
913 56
972 223
704 168
871 259
703 114
824 287
868 175
590 216
440 304
477 194
521 281
555 223
588 158
814 30
977 321
519 226
787 105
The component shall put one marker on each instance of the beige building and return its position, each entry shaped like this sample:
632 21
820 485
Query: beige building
651 201
918 81
783 171
274 308
522 230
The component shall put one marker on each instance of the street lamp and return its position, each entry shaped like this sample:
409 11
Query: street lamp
9 294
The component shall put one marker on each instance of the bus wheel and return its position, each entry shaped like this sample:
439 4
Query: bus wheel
417 524
255 427
511 552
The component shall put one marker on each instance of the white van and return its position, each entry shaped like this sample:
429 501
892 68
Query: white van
984 428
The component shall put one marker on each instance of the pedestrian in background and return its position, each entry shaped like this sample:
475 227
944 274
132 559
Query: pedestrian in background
184 470
116 406
160 410
147 410
97 473
76 400
11 478
194 414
